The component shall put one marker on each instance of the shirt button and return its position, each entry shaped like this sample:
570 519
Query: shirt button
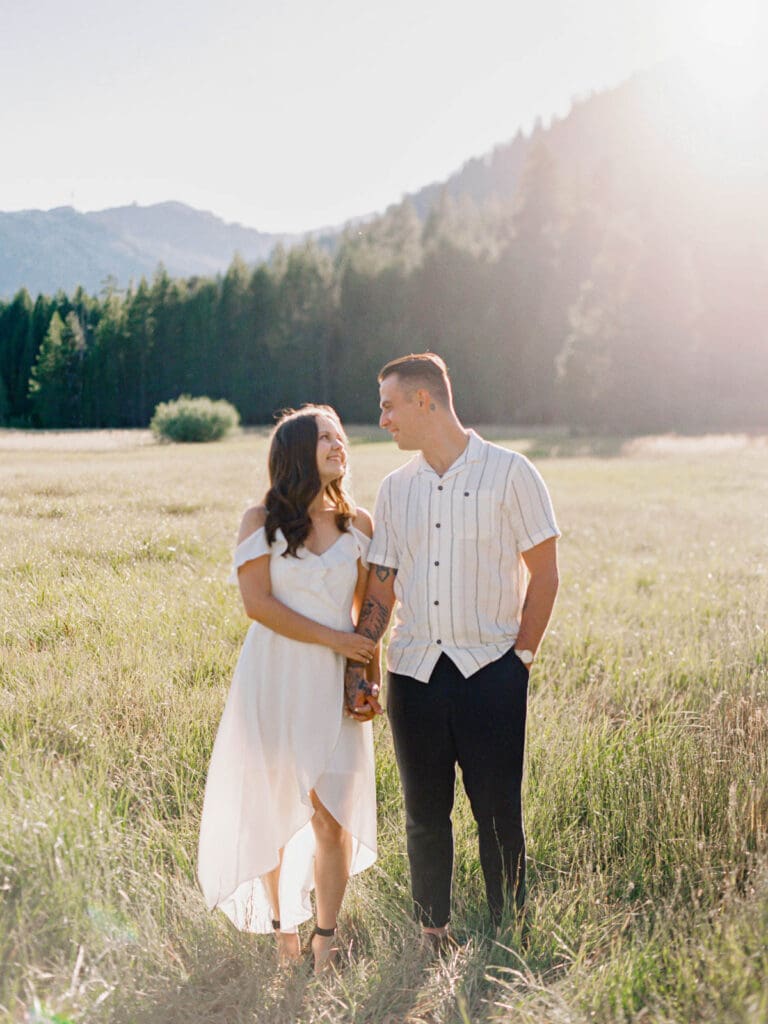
439 487
466 494
437 563
437 525
438 641
437 602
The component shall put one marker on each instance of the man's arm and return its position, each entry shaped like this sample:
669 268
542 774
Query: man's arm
378 603
541 562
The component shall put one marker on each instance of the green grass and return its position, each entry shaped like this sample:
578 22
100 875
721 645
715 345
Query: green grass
647 765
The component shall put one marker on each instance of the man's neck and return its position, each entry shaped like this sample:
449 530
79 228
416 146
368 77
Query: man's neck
442 450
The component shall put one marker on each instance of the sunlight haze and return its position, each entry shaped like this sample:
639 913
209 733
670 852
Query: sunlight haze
287 117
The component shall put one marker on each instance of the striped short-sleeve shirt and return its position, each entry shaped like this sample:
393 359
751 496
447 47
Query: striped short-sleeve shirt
456 542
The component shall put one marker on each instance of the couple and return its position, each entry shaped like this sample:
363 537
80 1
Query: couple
290 799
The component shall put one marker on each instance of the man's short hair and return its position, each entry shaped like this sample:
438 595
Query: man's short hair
422 369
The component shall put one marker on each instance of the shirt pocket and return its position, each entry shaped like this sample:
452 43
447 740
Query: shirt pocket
476 515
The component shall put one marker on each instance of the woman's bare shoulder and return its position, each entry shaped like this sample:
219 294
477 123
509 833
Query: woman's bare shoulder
362 521
253 519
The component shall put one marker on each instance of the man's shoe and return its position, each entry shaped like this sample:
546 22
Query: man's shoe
438 945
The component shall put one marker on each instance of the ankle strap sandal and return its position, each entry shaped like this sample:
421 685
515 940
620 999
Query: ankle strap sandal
330 956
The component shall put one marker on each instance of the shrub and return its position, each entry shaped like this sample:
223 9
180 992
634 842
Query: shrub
194 419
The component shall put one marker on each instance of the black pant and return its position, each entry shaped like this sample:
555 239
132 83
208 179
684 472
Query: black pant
479 724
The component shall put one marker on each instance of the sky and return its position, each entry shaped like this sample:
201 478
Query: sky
289 116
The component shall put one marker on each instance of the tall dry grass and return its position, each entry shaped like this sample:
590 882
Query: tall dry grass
647 768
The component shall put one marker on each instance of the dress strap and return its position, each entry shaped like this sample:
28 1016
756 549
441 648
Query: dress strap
253 546
363 543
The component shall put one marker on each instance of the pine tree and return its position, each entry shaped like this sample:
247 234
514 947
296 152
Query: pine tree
103 397
56 382
530 307
136 356
17 353
304 331
5 405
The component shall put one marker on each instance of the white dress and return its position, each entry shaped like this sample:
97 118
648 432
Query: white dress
282 734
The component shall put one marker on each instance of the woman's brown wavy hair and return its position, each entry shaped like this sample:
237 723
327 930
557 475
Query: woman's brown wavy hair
294 479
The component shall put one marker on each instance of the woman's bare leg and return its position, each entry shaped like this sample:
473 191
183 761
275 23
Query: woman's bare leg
333 855
288 947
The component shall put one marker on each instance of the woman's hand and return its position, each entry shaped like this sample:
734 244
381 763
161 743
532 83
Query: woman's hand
354 647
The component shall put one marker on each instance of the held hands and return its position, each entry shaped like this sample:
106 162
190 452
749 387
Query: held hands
360 694
354 647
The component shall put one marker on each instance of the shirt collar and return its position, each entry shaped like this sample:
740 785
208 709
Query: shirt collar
472 453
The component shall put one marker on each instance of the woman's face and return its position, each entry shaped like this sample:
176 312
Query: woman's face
331 450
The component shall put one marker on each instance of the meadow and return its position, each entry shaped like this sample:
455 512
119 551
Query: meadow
646 790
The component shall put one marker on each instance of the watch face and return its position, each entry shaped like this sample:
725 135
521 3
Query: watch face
525 656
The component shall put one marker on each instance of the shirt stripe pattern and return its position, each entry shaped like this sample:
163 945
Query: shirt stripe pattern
456 542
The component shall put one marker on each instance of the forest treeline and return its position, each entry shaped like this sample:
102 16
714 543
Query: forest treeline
605 301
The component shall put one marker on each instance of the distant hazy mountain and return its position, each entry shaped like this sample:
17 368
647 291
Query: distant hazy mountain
653 118
47 250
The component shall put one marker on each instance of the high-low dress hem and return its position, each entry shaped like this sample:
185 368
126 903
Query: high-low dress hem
282 734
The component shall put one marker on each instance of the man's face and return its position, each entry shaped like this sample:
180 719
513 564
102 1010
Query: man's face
400 413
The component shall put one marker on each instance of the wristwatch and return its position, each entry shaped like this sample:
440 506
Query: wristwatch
525 656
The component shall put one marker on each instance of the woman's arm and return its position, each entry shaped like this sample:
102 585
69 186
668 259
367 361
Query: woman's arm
256 591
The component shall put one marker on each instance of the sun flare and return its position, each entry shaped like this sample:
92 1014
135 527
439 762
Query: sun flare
730 24
724 49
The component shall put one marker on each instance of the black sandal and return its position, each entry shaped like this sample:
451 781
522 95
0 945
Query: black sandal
325 933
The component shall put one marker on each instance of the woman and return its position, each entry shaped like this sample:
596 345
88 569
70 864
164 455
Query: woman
291 788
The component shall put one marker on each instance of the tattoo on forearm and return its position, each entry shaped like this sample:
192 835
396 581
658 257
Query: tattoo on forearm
373 621
374 616
355 683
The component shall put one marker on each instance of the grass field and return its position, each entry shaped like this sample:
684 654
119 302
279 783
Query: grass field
647 762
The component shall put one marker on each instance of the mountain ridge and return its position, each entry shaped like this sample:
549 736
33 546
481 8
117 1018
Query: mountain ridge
651 112
61 248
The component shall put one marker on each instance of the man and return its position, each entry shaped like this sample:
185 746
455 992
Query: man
456 532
